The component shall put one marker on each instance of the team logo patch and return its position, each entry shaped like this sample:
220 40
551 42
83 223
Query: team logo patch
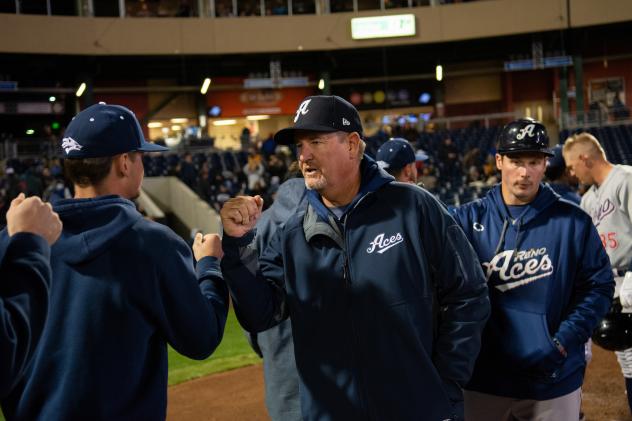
525 267
302 109
380 243
70 144
527 130
602 210
345 122
478 227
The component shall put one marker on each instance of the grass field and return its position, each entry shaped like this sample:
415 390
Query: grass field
233 352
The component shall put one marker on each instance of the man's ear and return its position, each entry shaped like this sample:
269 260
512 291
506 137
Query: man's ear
121 164
354 144
499 162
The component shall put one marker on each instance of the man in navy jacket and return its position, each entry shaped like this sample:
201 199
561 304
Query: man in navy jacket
123 288
385 295
25 275
550 283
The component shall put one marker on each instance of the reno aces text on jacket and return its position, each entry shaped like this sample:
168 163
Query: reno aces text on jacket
548 277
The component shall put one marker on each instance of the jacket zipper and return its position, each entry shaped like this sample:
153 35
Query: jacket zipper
346 273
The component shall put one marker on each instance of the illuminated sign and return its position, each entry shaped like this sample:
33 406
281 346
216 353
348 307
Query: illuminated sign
383 27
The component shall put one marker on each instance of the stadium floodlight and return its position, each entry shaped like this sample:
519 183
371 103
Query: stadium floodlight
205 85
81 89
439 72
321 84
52 99
30 132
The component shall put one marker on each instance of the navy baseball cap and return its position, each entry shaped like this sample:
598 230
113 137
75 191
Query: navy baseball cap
322 113
103 130
396 153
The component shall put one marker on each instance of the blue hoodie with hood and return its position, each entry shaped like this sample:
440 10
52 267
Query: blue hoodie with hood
123 287
387 303
549 278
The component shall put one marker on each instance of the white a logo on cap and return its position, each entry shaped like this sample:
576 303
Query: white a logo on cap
70 144
345 122
302 109
526 130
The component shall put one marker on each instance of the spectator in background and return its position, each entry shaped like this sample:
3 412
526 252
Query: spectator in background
268 147
449 157
188 173
560 179
254 171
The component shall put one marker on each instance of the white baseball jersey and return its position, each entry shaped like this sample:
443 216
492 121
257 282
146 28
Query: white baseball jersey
610 206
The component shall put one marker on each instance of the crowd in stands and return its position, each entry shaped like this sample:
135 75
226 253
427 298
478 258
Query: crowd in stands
460 165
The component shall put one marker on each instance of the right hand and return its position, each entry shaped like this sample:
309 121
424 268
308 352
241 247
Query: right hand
207 245
33 216
240 214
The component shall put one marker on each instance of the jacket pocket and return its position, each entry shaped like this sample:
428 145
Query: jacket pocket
522 341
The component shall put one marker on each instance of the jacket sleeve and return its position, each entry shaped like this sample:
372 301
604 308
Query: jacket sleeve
192 303
256 284
592 293
26 277
462 298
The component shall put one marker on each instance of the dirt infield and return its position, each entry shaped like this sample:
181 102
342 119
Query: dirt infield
238 395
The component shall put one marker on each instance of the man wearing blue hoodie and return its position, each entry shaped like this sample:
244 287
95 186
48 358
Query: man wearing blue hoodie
123 288
385 295
550 283
32 227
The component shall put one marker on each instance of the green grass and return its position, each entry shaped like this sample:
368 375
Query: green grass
233 352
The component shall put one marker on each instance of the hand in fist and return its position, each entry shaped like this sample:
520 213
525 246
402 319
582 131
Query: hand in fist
240 214
33 216
207 245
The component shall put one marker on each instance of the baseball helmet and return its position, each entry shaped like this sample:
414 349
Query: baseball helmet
523 135
614 332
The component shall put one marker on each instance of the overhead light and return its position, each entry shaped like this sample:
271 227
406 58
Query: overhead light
30 132
179 120
154 125
165 130
224 122
205 85
176 128
52 99
81 89
321 84
439 72
257 117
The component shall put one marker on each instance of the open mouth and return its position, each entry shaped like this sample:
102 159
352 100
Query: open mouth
310 171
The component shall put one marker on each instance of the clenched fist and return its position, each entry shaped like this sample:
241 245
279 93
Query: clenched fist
207 245
240 214
33 216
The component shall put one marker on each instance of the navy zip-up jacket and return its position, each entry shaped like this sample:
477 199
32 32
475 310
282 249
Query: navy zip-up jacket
548 277
123 287
24 284
387 304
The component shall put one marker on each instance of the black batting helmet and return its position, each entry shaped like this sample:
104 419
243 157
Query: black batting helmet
614 332
524 135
